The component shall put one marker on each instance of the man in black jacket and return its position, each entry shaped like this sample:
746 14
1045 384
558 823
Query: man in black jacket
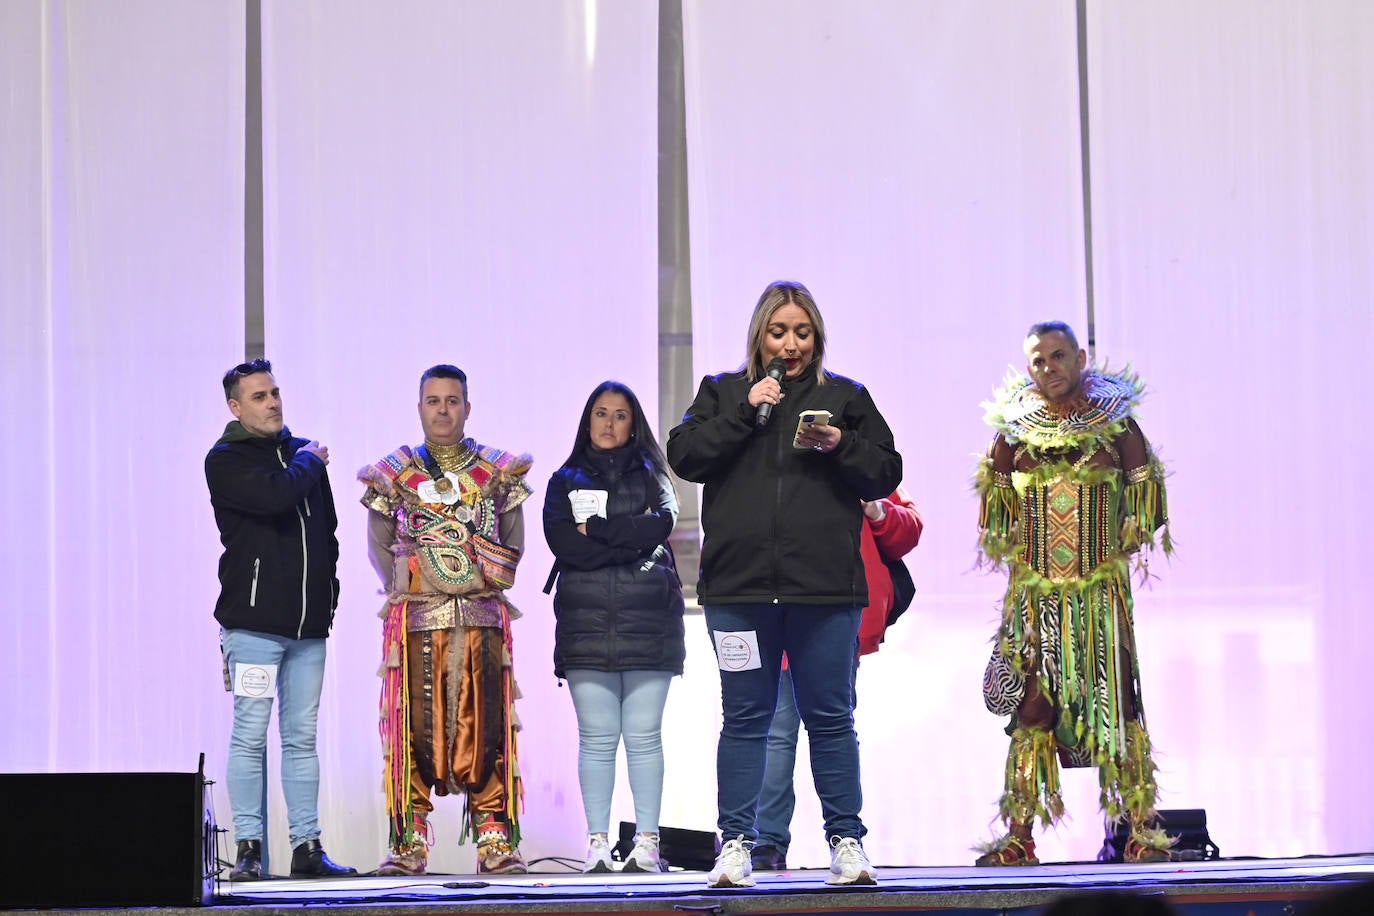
278 592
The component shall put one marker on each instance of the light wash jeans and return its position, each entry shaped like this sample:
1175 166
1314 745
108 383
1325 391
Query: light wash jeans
820 642
610 704
300 677
777 799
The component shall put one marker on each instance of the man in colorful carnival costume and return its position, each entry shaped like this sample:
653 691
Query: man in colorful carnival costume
1069 491
446 530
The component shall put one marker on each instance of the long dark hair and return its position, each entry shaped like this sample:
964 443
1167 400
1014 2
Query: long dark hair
641 436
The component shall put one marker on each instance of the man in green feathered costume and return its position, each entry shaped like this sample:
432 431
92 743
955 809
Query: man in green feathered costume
1071 498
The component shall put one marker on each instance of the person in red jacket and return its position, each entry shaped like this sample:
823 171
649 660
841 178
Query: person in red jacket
892 527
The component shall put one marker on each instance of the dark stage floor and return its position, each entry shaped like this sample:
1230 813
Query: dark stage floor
1218 888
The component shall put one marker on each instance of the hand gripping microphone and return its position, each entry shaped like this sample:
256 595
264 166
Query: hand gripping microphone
776 370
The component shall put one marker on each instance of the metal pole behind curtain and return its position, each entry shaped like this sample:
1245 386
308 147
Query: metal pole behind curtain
255 343
1086 160
675 276
254 335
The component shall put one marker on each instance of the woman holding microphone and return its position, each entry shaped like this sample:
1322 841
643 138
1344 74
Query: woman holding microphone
787 451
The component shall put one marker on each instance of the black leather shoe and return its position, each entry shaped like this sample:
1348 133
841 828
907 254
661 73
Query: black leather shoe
309 861
248 862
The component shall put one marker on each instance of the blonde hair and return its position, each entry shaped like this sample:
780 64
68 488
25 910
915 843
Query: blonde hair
778 294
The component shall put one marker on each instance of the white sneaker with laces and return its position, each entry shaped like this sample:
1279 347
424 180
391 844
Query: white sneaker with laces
644 857
598 855
848 864
733 866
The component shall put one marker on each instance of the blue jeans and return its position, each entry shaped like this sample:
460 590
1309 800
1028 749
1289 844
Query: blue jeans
777 800
820 642
300 677
610 704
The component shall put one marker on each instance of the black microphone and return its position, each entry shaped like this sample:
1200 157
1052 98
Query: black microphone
776 370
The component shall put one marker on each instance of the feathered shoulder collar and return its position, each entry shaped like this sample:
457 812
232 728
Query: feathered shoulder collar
1022 415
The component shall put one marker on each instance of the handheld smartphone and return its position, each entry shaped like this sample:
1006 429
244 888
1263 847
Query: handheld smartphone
808 419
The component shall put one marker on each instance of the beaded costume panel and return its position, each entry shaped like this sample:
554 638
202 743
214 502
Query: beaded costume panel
449 562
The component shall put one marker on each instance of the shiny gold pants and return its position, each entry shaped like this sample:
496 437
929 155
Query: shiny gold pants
458 717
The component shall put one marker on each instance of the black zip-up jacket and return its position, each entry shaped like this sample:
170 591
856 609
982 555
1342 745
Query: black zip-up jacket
276 519
619 602
782 524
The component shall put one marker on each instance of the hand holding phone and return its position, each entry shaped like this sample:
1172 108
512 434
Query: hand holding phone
807 420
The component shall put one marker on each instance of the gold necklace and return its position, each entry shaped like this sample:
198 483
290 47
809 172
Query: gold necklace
451 457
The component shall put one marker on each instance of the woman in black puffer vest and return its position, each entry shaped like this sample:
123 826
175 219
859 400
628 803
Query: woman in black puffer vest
619 640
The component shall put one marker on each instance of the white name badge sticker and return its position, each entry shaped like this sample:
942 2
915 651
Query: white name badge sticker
586 503
429 491
254 680
737 651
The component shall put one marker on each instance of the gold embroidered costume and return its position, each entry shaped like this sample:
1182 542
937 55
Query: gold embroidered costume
446 532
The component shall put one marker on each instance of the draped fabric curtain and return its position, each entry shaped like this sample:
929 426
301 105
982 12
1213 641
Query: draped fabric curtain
468 184
916 165
1233 198
475 184
121 176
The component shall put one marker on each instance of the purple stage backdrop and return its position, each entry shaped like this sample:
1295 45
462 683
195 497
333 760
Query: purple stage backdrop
469 183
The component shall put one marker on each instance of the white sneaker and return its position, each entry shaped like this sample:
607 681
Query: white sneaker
733 866
848 864
598 855
644 857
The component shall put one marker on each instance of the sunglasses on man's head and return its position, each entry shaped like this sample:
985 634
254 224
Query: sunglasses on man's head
251 368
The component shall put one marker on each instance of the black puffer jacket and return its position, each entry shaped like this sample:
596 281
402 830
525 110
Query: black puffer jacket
276 519
618 603
782 524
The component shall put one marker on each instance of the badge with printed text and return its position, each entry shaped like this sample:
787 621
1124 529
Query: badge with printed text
254 680
737 651
587 503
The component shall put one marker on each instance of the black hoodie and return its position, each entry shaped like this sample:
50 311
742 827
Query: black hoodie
276 519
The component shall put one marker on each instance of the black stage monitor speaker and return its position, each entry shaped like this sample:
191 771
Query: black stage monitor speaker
1189 825
105 839
694 850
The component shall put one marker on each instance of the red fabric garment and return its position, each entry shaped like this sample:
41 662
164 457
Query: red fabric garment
893 537
890 538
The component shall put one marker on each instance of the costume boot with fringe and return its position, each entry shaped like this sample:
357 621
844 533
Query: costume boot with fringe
1134 800
409 854
1031 791
495 853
